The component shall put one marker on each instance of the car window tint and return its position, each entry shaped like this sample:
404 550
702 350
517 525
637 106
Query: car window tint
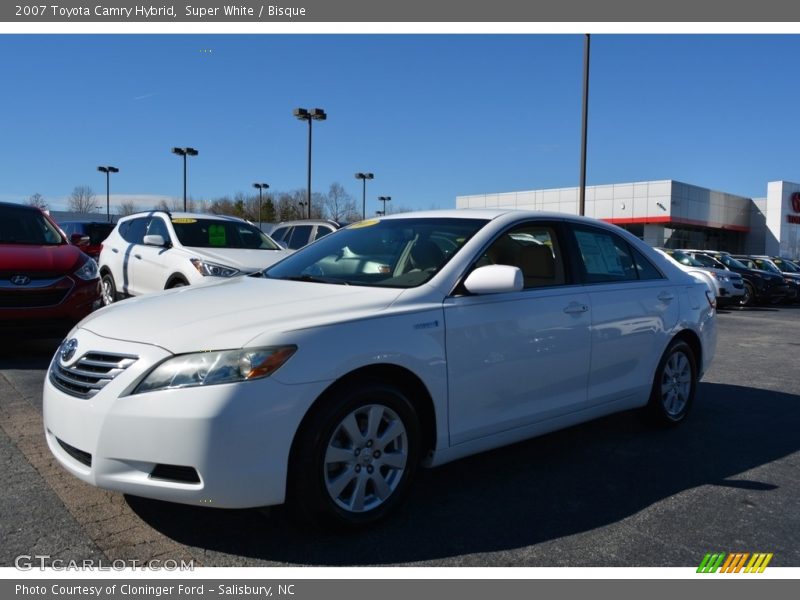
300 236
279 233
322 231
533 248
133 231
158 227
604 257
644 268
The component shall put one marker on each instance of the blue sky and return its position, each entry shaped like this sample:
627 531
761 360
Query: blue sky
433 116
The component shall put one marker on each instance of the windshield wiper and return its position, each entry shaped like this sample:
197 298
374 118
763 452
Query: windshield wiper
314 279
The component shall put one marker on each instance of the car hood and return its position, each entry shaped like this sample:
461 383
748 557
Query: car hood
230 313
244 259
48 261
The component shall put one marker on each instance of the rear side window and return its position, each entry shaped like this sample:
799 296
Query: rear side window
322 231
605 257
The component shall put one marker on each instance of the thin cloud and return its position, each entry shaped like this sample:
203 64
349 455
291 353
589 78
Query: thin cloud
145 96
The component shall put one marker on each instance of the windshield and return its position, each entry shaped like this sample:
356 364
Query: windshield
399 253
731 263
26 226
786 266
216 233
766 265
708 261
684 259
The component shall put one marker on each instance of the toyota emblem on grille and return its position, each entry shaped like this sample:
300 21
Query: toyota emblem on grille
68 349
20 279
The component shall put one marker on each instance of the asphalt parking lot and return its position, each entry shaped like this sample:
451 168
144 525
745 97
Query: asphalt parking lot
609 493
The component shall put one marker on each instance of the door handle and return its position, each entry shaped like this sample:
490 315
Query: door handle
115 251
666 296
574 308
139 256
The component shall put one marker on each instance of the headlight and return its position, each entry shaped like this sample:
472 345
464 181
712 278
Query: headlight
209 269
88 270
719 277
211 368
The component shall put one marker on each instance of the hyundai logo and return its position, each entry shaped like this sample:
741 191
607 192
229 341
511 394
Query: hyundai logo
20 279
795 198
68 349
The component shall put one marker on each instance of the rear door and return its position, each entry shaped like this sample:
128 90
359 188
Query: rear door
634 309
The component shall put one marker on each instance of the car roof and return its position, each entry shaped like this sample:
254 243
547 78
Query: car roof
184 215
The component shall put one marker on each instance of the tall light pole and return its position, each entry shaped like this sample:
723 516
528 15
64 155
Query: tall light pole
384 199
584 123
260 187
363 177
314 114
301 204
184 152
108 171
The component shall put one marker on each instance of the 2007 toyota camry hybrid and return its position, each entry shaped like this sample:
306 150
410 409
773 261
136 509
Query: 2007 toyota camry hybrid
415 339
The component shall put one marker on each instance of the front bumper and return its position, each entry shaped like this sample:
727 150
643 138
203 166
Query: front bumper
235 438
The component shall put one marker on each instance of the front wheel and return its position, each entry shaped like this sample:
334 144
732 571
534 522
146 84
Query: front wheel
355 456
674 385
749 296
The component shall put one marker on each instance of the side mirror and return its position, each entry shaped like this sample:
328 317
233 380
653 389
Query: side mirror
154 240
494 279
79 239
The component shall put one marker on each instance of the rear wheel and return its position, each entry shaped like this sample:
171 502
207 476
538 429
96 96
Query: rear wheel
674 385
109 289
355 456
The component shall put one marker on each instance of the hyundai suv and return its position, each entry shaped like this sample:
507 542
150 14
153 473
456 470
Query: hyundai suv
296 234
158 250
46 284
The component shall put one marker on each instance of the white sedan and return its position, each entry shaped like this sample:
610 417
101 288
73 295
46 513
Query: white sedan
413 339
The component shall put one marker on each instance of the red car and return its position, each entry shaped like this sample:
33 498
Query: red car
46 284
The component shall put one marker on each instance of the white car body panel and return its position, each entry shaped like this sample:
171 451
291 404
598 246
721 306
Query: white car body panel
498 368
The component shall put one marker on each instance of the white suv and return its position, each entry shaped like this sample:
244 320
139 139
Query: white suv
154 251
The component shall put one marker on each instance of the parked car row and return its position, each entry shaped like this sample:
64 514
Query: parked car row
741 279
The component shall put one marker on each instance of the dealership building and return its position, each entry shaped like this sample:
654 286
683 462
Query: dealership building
676 215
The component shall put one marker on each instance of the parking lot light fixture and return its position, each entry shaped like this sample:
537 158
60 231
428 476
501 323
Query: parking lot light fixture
184 152
305 114
384 199
108 171
363 177
260 187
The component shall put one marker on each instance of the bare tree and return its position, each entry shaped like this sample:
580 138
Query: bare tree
38 201
82 200
338 204
126 207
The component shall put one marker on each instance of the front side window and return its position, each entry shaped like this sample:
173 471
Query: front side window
132 231
534 249
400 253
301 234
158 227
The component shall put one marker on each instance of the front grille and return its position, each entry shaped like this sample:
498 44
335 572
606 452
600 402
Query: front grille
175 473
82 457
31 298
90 374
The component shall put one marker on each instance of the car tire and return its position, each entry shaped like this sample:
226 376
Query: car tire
176 283
354 456
109 289
748 299
674 385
